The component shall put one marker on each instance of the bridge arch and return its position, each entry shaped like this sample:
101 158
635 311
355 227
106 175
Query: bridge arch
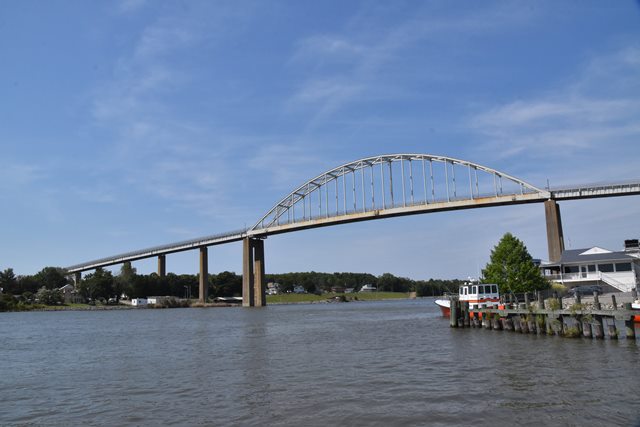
391 185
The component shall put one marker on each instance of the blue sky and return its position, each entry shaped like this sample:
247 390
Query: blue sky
128 124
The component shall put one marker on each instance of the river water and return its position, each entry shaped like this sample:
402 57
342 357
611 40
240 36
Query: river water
389 363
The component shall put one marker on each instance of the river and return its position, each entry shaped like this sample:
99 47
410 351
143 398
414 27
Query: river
388 363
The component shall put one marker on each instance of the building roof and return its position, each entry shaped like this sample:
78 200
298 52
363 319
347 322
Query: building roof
592 255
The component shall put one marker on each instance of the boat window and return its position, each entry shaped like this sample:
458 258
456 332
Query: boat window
474 289
465 290
460 291
605 268
481 289
494 289
571 269
623 266
591 268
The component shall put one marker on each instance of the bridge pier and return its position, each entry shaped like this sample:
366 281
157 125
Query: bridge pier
162 265
204 275
77 278
253 280
555 237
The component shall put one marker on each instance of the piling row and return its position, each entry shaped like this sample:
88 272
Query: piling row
547 317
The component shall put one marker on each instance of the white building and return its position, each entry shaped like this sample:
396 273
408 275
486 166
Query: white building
273 288
139 302
368 288
614 270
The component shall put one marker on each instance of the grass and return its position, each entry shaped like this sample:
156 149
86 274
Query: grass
364 296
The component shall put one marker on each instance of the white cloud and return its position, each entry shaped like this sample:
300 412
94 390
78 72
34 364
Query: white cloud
596 114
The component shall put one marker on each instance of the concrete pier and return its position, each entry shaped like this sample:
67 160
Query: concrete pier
162 265
253 280
204 274
555 237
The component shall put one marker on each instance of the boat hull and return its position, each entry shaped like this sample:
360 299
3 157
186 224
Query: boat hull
445 307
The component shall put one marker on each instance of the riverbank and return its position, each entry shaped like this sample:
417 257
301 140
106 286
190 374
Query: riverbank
271 300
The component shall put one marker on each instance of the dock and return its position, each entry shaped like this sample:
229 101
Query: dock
549 317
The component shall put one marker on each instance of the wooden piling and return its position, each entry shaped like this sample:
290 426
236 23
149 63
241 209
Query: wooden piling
613 331
524 325
629 329
596 301
540 301
495 323
586 329
465 313
486 321
531 325
516 324
453 315
598 330
613 302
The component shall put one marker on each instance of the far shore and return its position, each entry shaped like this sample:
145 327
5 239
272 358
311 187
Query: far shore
283 299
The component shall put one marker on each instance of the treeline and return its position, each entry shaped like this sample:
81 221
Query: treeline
314 282
103 285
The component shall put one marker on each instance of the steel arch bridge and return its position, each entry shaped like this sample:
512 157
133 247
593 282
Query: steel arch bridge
374 188
393 185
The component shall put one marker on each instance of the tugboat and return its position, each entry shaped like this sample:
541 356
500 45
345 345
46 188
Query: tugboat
475 294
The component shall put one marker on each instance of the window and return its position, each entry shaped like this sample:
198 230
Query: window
494 289
623 266
571 269
605 268
592 268
481 289
474 290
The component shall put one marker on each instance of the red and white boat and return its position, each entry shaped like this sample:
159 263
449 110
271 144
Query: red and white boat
476 294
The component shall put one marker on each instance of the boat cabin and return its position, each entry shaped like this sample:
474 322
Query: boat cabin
477 294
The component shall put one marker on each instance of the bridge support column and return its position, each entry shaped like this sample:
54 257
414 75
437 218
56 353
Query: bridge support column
162 265
204 274
555 237
77 278
253 286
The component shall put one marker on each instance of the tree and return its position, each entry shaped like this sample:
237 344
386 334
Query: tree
97 285
512 268
52 277
49 296
8 281
124 282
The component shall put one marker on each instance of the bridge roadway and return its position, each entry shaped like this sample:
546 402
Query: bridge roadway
564 193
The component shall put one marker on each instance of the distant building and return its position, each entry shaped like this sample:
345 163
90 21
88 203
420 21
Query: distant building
614 270
368 288
157 299
139 302
70 295
338 289
297 289
273 288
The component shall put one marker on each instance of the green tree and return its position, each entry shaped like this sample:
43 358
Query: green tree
512 267
125 280
97 285
8 281
49 296
52 277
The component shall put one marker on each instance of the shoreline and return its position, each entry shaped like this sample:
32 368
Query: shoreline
87 307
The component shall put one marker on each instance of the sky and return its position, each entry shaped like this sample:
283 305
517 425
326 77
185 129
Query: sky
129 124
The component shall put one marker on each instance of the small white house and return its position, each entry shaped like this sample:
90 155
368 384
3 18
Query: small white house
139 302
297 289
368 288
